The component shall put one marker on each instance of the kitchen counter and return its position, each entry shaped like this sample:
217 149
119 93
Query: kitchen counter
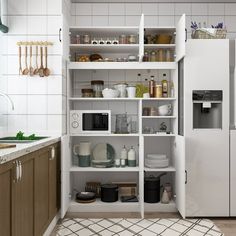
10 154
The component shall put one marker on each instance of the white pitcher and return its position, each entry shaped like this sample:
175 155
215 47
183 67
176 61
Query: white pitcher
82 149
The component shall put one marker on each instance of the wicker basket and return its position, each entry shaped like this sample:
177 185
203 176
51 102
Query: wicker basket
202 34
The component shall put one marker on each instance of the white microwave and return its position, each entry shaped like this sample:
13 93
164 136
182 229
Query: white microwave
90 122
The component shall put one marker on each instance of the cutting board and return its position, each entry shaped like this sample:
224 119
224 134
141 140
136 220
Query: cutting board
6 145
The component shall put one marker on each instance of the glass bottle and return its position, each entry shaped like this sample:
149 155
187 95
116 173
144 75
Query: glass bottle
152 85
153 56
164 84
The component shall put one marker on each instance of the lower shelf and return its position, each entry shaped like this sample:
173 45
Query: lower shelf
112 169
99 206
160 207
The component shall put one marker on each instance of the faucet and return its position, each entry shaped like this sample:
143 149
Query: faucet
8 98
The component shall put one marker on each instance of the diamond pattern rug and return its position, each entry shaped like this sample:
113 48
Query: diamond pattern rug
139 227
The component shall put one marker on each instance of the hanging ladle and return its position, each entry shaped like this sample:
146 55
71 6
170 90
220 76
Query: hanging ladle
46 71
36 70
41 70
26 70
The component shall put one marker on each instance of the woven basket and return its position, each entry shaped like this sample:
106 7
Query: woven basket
202 34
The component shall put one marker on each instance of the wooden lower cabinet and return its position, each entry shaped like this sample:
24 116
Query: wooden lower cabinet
23 200
5 198
29 202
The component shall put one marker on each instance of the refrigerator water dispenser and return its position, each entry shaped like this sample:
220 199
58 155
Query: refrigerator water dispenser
207 109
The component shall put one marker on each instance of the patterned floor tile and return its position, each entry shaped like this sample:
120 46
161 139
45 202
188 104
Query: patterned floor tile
86 222
68 223
64 232
165 222
105 223
115 228
75 227
194 232
170 232
156 228
106 233
147 233
95 227
145 223
179 227
136 228
125 233
124 223
84 232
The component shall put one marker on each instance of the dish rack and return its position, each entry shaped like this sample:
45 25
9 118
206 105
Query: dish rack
203 34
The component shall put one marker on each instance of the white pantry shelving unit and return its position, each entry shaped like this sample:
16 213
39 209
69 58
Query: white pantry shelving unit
80 74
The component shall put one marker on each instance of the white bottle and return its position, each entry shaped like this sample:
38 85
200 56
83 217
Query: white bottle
124 155
131 157
165 197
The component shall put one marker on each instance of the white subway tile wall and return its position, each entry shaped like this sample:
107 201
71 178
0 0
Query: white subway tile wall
38 101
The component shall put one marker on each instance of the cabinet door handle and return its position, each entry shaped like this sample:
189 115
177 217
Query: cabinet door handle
60 35
186 35
20 170
53 152
186 177
17 173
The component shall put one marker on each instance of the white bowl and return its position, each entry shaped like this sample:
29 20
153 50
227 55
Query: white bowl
164 110
110 93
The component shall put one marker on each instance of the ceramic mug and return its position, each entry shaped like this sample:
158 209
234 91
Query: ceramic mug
83 151
131 90
165 110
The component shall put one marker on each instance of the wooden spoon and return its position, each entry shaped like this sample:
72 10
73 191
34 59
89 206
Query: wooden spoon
31 69
46 71
41 74
26 70
36 70
20 66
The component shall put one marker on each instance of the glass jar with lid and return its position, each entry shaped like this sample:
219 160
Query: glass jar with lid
132 39
97 86
86 39
153 56
122 39
87 93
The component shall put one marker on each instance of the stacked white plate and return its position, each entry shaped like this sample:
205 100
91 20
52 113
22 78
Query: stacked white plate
156 161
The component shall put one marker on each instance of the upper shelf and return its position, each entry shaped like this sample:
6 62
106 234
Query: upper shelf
108 48
122 65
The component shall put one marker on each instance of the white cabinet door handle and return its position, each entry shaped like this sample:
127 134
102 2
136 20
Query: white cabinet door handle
20 170
17 171
53 153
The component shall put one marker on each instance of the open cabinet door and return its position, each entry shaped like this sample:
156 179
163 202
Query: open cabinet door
141 38
180 177
65 174
181 37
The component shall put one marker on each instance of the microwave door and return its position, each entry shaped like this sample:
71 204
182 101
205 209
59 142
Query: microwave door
95 122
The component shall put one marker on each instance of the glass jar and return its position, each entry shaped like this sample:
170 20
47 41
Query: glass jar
169 55
153 56
77 39
87 93
161 55
131 39
97 86
86 39
122 39
146 56
158 91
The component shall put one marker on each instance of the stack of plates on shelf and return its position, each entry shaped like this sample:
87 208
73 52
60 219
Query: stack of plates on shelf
103 155
156 161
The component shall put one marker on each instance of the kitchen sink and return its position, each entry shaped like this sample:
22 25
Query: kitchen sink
14 140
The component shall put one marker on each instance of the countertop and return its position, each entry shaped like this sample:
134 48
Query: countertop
10 154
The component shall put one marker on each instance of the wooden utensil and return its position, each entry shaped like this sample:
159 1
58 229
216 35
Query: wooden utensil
31 69
46 71
26 70
6 145
41 74
36 70
20 66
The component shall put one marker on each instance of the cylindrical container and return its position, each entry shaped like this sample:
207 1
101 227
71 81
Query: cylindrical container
146 56
131 157
109 193
117 163
153 56
158 91
122 89
164 83
97 86
161 55
124 155
131 90
168 188
123 163
151 189
87 93
78 41
83 151
122 39
131 39
168 55
86 39
152 85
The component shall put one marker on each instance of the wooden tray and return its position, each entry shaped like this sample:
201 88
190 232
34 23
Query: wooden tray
6 145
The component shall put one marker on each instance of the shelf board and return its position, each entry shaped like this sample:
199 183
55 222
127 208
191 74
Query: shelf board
119 99
99 206
167 169
155 46
105 135
160 207
112 169
159 135
158 117
106 48
122 65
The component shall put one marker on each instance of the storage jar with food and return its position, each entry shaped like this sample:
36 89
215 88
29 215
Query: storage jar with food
86 93
131 39
86 39
97 86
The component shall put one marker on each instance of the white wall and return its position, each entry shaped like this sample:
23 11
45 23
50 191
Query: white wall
38 101
95 14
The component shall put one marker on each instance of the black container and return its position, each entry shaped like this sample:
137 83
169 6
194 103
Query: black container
152 189
109 193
